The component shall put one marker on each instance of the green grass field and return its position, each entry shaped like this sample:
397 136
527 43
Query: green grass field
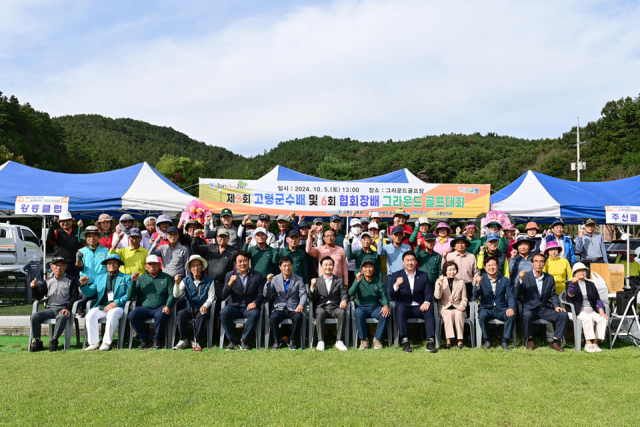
388 387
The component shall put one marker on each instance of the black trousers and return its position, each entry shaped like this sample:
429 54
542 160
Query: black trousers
278 316
184 318
559 318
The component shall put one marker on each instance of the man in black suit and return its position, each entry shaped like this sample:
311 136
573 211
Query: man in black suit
536 291
413 296
329 296
244 287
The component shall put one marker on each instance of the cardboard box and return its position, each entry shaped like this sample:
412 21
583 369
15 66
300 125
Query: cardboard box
613 275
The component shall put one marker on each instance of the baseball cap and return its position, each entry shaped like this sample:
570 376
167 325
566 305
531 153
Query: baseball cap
57 259
135 232
293 233
367 260
283 217
375 214
172 229
304 224
354 221
264 216
397 229
335 217
366 233
429 236
492 236
260 230
423 220
65 216
373 225
318 221
225 212
152 258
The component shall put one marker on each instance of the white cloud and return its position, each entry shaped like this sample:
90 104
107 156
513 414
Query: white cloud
370 70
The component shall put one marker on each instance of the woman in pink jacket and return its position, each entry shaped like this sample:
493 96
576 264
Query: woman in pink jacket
443 241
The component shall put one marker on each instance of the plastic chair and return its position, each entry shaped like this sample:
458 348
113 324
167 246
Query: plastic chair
473 309
414 320
535 322
242 321
577 324
122 324
491 322
168 332
368 320
209 325
328 321
68 330
267 327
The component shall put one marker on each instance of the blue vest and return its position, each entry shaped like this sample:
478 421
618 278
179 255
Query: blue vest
196 296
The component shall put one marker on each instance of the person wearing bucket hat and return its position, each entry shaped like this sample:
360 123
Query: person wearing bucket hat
565 242
419 231
584 296
532 231
154 290
357 256
226 218
371 301
375 218
199 294
589 245
469 231
536 291
429 260
443 241
133 256
490 249
107 225
65 241
110 292
400 220
89 258
159 238
298 255
494 226
467 267
558 267
521 257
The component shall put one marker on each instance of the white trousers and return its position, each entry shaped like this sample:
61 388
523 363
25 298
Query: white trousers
594 325
93 327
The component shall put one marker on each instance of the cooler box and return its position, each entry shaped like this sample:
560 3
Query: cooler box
613 275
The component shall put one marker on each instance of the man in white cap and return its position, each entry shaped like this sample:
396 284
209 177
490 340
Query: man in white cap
353 241
284 225
155 291
65 242
375 218
264 221
261 255
419 231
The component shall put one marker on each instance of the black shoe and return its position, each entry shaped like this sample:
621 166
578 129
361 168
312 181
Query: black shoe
487 345
244 346
157 345
447 346
460 346
406 346
80 315
431 346
276 346
53 345
144 345
231 346
505 345
36 345
292 345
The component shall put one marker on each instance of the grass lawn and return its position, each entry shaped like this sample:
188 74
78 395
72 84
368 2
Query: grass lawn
388 387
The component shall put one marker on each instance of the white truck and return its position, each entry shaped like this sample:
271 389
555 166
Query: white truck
19 245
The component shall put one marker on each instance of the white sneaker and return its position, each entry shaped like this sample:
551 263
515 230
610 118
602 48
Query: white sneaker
182 344
105 347
340 346
590 348
598 349
320 346
92 347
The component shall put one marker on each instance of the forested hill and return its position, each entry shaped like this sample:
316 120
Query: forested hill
92 143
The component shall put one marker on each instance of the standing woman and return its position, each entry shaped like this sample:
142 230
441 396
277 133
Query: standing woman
558 267
582 293
443 241
510 237
451 294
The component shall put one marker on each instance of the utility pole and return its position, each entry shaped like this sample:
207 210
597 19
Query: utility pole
578 165
578 147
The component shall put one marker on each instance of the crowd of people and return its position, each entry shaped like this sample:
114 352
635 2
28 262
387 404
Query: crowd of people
414 272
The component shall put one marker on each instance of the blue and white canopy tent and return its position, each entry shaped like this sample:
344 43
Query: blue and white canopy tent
401 176
139 190
538 197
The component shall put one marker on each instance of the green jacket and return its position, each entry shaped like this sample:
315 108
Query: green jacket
359 254
154 292
431 263
474 248
299 258
262 260
369 293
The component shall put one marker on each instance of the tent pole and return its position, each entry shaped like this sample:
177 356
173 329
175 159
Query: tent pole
44 246
628 250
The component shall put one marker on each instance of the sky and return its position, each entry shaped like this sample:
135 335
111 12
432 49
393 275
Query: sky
247 75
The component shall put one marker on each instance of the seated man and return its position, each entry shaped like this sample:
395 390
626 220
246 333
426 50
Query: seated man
497 301
61 292
371 301
413 295
289 295
329 296
243 287
536 290
199 294
155 289
110 290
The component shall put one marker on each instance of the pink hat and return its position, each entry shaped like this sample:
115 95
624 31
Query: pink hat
510 227
443 225
552 245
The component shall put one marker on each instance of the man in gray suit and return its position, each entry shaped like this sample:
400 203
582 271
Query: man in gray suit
329 296
289 296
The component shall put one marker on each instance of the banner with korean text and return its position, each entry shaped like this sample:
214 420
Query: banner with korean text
41 205
346 198
623 215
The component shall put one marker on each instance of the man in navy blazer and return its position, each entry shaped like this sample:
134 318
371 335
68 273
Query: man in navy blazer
497 301
289 295
536 291
243 287
413 296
